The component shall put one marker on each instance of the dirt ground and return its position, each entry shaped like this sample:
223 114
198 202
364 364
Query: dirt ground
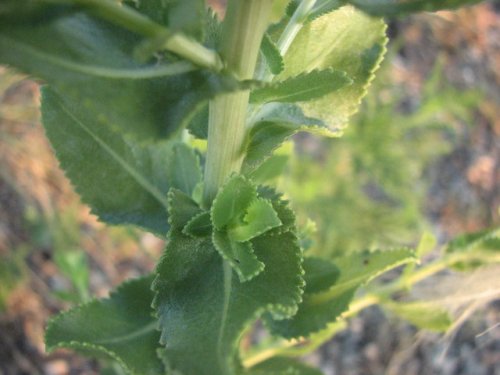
464 196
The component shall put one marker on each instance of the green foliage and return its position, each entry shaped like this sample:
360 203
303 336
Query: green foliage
121 327
123 182
124 83
304 87
272 55
358 48
326 305
397 7
367 188
425 315
203 309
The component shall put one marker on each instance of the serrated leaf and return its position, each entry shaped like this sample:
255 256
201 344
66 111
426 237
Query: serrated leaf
232 200
282 208
304 87
259 218
479 246
122 182
398 7
203 308
320 274
240 255
121 327
323 7
13 11
147 101
279 10
272 55
345 40
282 366
182 207
213 29
271 169
274 124
178 15
422 314
183 169
199 226
469 241
319 309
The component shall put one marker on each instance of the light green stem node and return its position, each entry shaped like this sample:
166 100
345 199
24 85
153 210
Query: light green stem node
243 29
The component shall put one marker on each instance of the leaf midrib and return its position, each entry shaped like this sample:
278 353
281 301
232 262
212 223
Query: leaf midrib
143 182
151 327
97 71
228 283
321 86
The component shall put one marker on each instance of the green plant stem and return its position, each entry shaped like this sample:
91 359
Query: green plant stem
243 29
132 20
295 25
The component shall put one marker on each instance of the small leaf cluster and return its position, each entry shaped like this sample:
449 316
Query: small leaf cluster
128 90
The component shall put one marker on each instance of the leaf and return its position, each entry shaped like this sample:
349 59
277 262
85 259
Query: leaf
183 208
344 40
232 201
183 169
282 208
304 87
319 309
203 309
282 366
422 314
240 255
259 218
147 101
122 182
121 327
198 126
323 7
213 29
271 169
478 248
272 55
278 10
398 7
199 226
320 274
239 216
274 124
470 241
178 15
13 11
427 243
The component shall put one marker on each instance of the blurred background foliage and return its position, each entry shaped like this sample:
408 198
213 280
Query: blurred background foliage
368 188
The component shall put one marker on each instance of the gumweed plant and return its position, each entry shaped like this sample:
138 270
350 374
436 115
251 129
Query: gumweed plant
162 116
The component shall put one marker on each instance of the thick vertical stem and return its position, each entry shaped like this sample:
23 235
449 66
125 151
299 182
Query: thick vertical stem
243 29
